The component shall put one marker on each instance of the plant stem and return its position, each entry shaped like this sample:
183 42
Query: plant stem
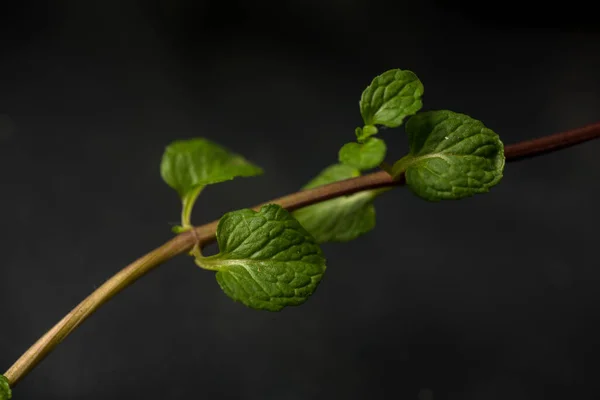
400 166
386 167
187 206
205 234
114 285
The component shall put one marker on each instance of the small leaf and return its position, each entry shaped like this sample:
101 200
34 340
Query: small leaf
451 156
341 219
187 164
391 97
267 260
365 155
365 132
5 392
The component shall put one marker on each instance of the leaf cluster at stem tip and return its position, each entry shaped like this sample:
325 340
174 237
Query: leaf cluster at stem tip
451 156
271 259
387 101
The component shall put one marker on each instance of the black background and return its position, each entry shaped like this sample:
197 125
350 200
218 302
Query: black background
493 297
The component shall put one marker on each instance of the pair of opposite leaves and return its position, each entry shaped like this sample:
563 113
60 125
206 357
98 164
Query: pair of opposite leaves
271 259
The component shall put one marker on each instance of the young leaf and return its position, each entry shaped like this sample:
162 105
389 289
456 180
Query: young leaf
451 156
365 155
341 219
391 97
267 260
187 164
5 392
365 132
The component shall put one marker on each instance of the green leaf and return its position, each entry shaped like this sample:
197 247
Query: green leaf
391 97
365 132
365 155
187 164
5 392
267 260
451 156
341 219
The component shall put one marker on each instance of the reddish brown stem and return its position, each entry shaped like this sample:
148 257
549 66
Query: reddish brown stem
205 234
551 143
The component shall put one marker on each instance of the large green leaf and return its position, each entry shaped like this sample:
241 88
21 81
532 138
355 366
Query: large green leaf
266 259
451 156
341 219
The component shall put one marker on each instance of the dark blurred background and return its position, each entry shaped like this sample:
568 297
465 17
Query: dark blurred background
494 297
